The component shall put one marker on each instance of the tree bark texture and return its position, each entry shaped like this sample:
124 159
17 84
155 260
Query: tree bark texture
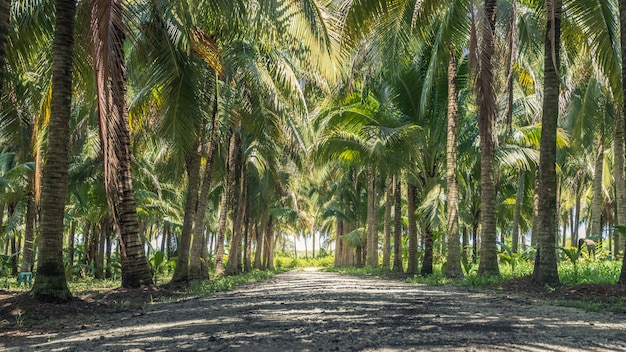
453 262
412 218
387 223
545 266
487 111
50 282
192 161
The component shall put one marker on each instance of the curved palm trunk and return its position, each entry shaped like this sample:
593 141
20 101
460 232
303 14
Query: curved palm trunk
411 195
487 111
622 208
545 264
50 282
387 223
181 273
453 262
108 53
397 226
5 7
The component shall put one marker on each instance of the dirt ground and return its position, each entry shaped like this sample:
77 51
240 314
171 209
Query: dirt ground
316 311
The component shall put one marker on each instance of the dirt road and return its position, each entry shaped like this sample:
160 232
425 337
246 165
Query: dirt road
317 311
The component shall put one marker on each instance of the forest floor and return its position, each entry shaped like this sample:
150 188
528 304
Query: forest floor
309 310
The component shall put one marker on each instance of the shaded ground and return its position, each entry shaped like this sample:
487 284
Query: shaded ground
316 311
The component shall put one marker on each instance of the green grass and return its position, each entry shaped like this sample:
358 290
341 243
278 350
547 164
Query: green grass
225 283
588 272
294 263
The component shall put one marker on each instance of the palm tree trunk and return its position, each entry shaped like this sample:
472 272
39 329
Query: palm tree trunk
387 223
371 253
397 227
427 265
338 262
576 219
519 199
259 247
234 186
596 201
411 195
181 273
221 231
545 264
269 236
29 232
622 207
453 262
50 282
198 268
5 7
487 111
109 60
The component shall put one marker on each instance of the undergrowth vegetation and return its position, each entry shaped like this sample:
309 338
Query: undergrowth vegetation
587 271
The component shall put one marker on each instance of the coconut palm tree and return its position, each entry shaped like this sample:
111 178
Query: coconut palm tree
545 264
108 38
621 196
50 282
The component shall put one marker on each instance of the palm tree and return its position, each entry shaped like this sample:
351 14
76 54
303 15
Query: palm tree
453 266
487 111
108 52
50 282
621 196
545 263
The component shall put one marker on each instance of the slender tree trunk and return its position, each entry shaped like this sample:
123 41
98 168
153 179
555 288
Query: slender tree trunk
576 219
269 236
596 201
397 227
519 200
338 244
71 244
622 196
411 208
29 233
545 264
487 112
5 6
387 224
475 241
50 282
465 244
181 273
234 265
225 204
199 268
427 265
453 262
535 224
372 258
221 231
247 249
259 248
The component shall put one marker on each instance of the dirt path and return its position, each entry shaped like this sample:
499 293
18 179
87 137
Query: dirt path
317 311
